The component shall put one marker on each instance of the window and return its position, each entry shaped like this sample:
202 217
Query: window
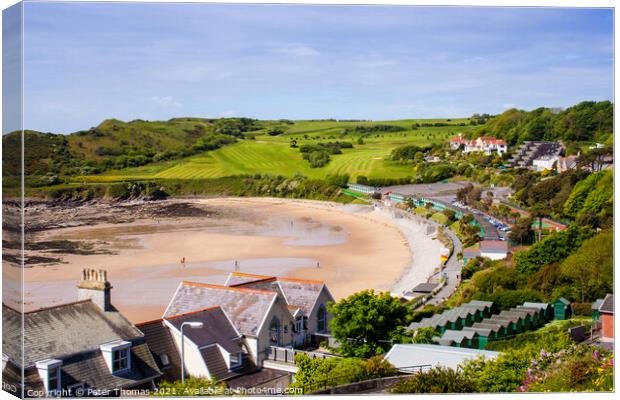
235 359
53 379
120 360
165 360
322 319
50 374
274 331
300 324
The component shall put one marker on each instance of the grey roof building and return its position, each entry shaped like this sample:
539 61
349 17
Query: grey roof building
82 346
412 357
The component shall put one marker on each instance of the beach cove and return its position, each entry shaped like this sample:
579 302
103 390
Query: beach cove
350 247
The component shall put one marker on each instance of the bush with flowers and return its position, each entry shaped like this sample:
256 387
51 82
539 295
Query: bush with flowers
576 369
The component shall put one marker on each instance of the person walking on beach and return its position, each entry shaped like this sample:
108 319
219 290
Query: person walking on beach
183 262
236 265
318 264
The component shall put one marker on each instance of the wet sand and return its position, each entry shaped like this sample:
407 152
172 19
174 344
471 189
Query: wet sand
355 247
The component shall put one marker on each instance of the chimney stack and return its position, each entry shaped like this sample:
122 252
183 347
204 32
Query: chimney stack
95 286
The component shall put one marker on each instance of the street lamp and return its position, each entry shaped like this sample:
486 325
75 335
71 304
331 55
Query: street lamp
194 325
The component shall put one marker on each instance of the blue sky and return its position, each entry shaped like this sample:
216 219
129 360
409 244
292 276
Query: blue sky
88 62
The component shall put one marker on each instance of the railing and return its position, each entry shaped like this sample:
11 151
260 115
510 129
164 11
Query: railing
287 355
344 379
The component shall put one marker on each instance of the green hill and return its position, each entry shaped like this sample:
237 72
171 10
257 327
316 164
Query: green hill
588 121
192 148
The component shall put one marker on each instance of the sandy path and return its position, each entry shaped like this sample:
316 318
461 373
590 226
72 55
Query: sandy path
355 246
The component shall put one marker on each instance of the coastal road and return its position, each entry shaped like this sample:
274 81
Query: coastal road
452 270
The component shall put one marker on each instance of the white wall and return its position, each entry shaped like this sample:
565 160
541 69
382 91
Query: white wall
494 256
194 363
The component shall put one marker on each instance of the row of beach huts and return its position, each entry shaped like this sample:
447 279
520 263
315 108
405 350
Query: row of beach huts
474 324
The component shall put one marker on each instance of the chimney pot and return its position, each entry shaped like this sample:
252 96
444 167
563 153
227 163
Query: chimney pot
95 286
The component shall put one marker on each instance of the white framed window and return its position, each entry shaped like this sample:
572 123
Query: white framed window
53 379
49 371
299 322
235 359
120 360
165 360
117 355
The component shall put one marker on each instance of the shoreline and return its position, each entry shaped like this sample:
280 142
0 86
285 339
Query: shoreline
356 246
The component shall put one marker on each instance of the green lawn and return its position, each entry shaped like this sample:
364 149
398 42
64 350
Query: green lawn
273 154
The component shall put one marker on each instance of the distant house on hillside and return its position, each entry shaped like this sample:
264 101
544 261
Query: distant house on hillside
534 150
494 249
85 348
546 162
485 144
567 163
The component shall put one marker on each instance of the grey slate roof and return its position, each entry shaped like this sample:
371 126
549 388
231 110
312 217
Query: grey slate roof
494 246
246 308
543 306
73 333
236 278
160 342
403 356
607 306
597 304
217 329
424 287
297 292
66 329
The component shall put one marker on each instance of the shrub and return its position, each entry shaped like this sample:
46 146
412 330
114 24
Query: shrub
436 380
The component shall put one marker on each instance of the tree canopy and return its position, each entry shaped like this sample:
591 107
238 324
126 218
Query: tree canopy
364 321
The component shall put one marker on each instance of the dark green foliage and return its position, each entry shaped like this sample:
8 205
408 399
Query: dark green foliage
424 335
374 129
556 247
436 380
318 154
193 386
591 267
317 159
522 232
136 190
404 153
363 321
321 373
506 299
591 197
586 121
550 194
475 265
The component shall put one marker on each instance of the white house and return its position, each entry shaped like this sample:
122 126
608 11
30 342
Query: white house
494 249
485 144
545 162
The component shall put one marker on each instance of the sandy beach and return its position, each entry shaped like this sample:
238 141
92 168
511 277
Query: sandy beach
350 247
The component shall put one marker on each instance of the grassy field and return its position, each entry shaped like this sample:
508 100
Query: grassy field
274 155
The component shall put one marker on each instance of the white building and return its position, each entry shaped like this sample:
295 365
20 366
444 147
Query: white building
485 144
412 357
545 162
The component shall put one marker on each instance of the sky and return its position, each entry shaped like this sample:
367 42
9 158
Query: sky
86 62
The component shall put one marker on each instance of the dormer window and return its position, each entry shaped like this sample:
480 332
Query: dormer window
49 371
120 360
117 355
